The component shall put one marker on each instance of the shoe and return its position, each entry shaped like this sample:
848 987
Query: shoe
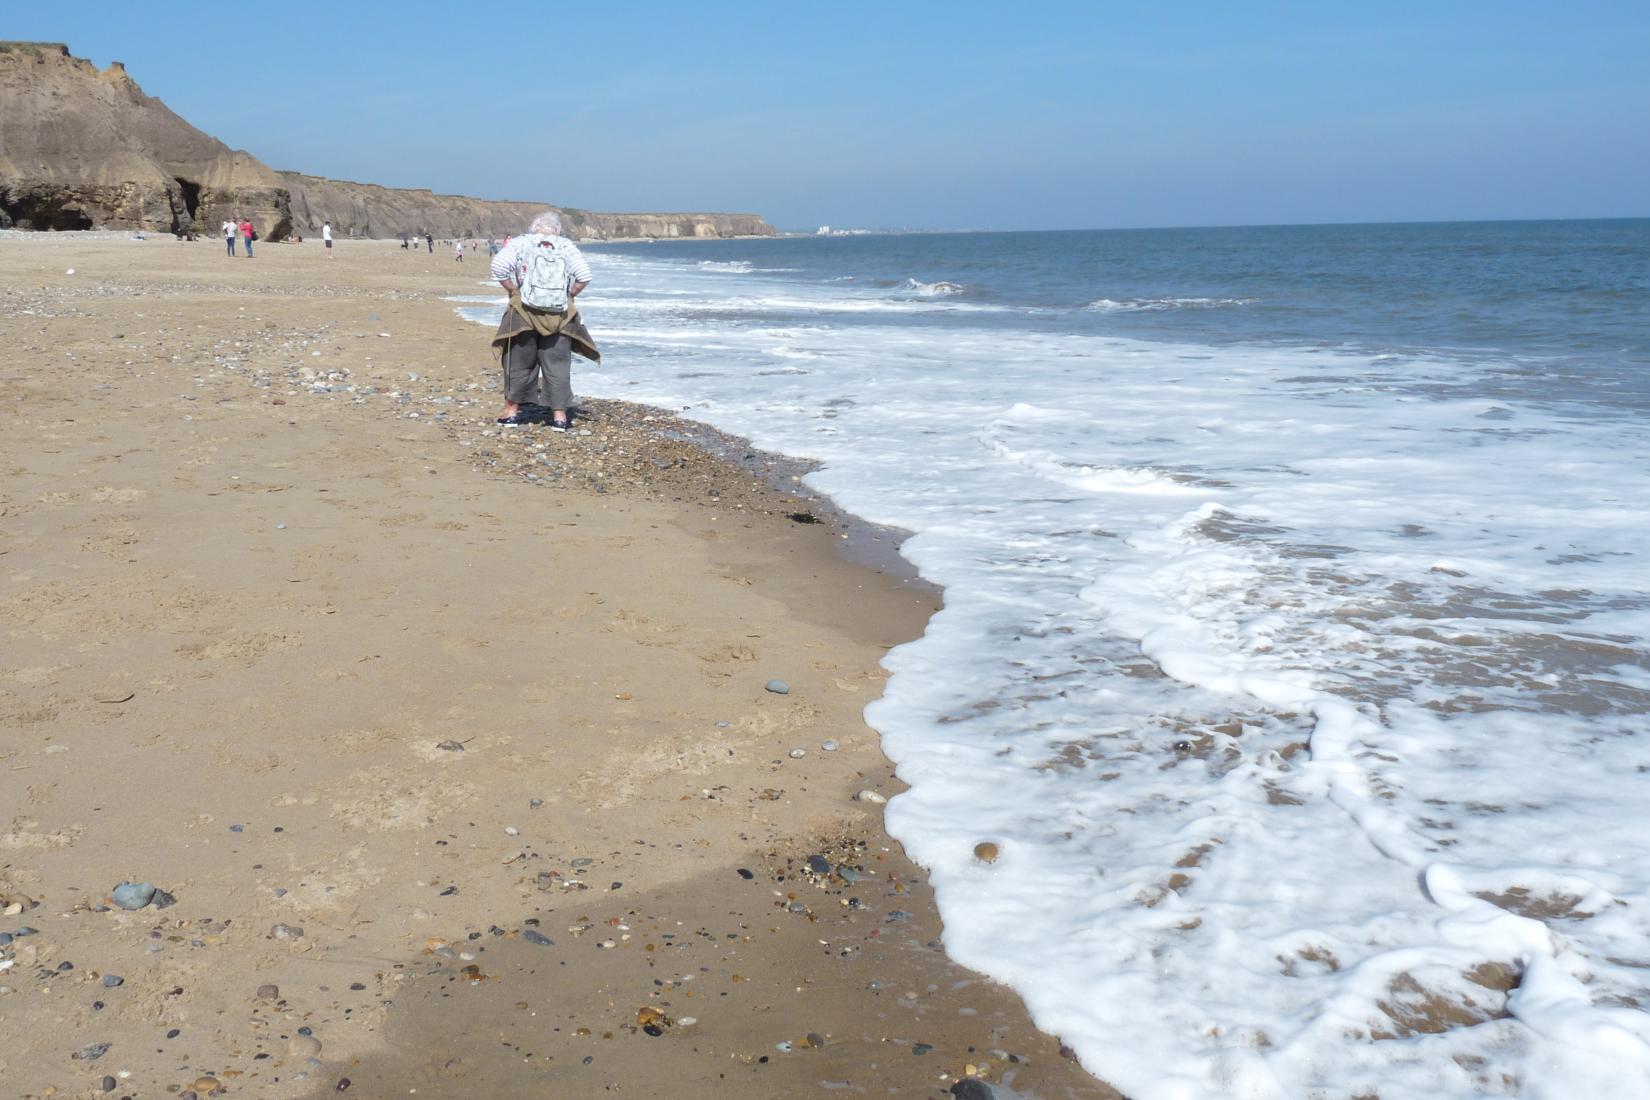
560 425
510 421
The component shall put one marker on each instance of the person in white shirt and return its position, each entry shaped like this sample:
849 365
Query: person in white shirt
229 235
536 347
326 237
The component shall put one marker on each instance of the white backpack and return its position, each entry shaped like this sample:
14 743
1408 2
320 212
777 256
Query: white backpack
544 276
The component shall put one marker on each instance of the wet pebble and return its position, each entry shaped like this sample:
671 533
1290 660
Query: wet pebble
870 796
819 865
109 1084
286 932
745 873
972 1088
90 1053
269 991
533 935
778 687
798 754
829 746
897 916
112 981
986 852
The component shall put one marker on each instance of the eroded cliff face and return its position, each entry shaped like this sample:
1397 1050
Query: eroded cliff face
368 210
81 148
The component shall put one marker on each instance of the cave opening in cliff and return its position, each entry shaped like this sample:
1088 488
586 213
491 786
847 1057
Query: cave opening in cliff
36 211
191 196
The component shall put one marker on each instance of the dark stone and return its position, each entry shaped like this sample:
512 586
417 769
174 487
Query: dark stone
743 873
533 935
972 1089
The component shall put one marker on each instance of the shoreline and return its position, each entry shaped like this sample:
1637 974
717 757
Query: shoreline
305 683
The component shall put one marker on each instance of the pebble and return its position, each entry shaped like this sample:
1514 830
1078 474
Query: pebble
280 527
303 1046
511 830
829 746
897 916
972 1088
449 746
534 803
778 687
746 873
986 852
533 935
111 981
287 932
132 895
819 865
90 1053
798 754
870 796
208 1085
849 875
110 1084
268 992
723 723
5 938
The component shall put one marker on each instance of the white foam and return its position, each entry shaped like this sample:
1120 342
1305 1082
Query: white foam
1152 305
1294 706
940 289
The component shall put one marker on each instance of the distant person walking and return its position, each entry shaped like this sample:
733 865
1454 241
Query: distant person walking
492 246
542 272
430 240
229 234
248 235
458 251
326 237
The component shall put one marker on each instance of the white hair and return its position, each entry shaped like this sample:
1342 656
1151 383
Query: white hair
548 222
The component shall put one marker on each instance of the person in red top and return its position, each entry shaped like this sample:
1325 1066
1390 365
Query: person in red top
247 235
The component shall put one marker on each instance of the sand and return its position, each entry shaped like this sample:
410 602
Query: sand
385 696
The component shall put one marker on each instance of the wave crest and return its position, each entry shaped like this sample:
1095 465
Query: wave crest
940 289
1150 305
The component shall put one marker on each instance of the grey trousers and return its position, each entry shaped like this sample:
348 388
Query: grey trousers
538 370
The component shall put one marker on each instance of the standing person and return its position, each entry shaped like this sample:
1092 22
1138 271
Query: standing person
403 241
429 239
458 251
536 338
326 237
229 234
492 247
248 235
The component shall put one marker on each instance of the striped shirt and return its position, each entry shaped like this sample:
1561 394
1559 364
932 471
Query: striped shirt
511 261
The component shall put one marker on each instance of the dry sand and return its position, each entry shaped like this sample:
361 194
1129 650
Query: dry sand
245 604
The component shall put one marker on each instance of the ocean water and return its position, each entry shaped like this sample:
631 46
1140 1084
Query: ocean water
1294 648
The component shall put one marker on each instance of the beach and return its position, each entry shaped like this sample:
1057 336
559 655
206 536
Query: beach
454 745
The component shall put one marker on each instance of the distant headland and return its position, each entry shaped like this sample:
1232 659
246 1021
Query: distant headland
83 148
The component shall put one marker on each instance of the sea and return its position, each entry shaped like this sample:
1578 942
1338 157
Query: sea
1286 729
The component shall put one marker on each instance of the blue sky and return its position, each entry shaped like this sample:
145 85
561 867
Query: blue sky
925 115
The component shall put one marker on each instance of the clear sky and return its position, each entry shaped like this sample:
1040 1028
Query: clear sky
958 115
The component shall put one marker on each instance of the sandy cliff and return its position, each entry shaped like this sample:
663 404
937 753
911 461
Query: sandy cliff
368 210
83 148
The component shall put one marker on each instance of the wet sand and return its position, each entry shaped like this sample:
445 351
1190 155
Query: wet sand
385 695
